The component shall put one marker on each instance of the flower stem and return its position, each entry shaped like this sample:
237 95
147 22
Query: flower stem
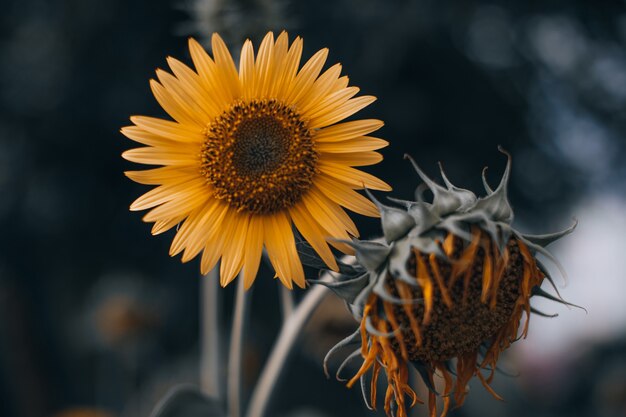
210 335
240 317
286 302
291 329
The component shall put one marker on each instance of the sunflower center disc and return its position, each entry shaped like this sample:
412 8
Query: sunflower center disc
259 156
469 322
261 145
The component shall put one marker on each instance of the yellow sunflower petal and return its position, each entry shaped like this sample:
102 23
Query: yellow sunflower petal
170 105
352 177
346 196
348 130
362 144
307 75
336 211
160 156
226 66
247 73
233 255
355 159
209 73
339 113
252 250
334 231
271 241
343 247
281 249
169 130
186 201
209 225
182 205
313 234
324 216
190 103
210 255
164 193
290 69
144 137
161 175
161 226
341 83
196 230
331 102
216 242
279 58
263 65
319 90
191 83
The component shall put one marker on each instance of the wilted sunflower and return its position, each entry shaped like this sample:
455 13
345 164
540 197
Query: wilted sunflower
252 151
445 293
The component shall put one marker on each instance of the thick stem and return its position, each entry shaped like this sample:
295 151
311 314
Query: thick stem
210 369
291 329
240 318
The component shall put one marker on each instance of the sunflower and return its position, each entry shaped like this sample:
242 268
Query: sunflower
252 152
445 293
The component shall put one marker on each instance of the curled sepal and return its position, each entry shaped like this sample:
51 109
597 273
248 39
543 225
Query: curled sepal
347 289
423 216
357 307
345 363
496 205
467 197
402 252
187 401
542 314
395 223
540 249
380 289
486 185
541 293
405 203
372 330
353 338
457 224
545 240
444 200
365 391
369 254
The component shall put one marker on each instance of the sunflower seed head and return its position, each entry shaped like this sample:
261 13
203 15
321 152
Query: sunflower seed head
423 226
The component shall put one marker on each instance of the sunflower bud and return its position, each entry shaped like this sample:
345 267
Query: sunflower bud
446 293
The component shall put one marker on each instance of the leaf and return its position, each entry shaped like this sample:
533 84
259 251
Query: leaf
308 255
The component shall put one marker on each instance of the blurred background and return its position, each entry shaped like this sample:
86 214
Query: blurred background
97 320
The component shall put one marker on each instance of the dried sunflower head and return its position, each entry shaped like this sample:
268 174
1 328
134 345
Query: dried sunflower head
445 292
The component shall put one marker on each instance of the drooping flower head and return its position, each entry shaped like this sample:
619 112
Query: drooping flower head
445 292
250 153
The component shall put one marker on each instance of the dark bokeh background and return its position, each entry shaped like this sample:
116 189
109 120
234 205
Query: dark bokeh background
95 315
